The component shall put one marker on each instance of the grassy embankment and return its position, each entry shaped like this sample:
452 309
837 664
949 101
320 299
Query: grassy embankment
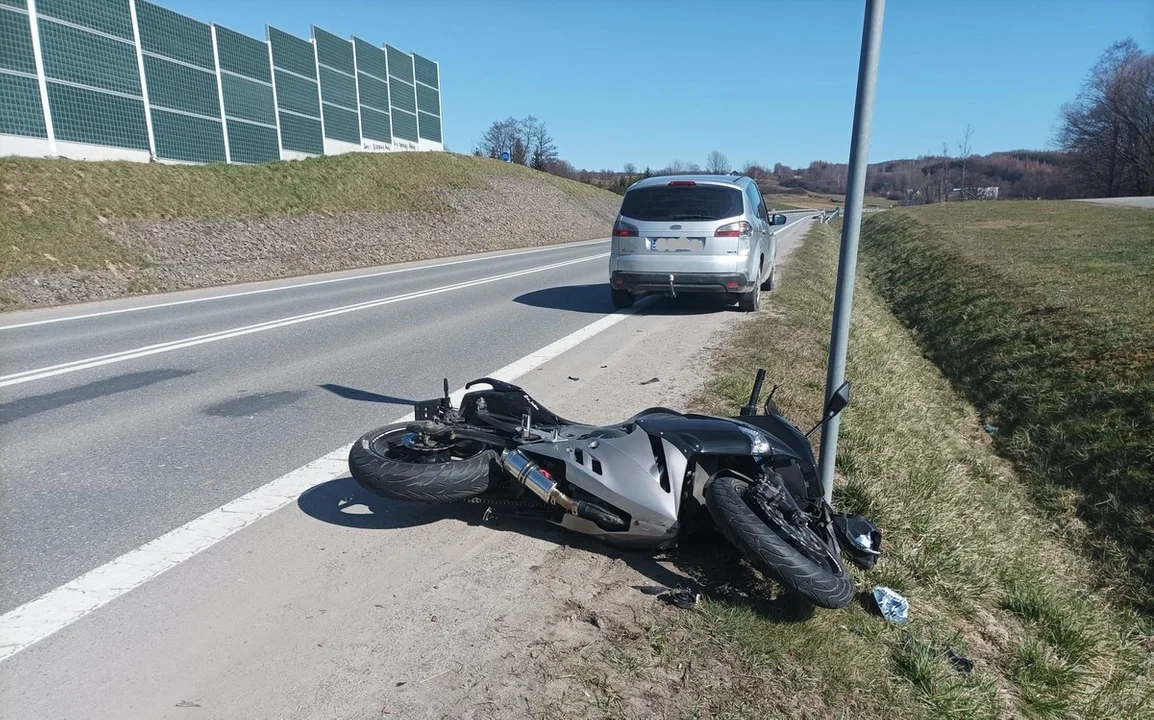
1042 314
985 570
54 213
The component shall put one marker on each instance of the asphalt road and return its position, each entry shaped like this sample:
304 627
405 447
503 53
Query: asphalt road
1138 202
123 420
180 536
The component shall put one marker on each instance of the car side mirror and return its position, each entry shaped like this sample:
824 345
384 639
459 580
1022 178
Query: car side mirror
837 401
779 219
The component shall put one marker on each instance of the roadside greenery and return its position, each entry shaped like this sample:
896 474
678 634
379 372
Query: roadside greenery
1042 314
986 573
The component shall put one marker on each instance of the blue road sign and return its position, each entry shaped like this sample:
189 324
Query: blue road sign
505 156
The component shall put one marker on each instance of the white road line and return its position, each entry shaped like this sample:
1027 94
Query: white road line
84 364
312 283
56 609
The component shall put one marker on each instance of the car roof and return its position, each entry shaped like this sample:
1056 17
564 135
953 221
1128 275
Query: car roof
736 181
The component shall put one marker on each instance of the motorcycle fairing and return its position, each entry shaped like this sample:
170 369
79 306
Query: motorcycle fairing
622 467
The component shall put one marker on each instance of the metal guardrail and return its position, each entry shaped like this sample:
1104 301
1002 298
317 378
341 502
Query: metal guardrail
828 216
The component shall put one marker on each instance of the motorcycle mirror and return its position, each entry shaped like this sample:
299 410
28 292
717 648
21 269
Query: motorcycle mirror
835 405
837 401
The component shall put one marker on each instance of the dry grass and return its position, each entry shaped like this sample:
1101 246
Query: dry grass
984 572
1043 315
53 213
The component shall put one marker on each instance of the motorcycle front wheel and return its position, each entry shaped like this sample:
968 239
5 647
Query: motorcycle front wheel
793 555
394 462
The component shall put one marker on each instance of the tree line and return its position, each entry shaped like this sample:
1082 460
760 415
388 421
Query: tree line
1108 129
527 140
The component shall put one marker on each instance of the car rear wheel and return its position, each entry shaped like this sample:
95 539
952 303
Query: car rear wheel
770 282
621 298
749 301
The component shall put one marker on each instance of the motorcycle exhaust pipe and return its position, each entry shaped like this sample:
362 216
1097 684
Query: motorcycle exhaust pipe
530 474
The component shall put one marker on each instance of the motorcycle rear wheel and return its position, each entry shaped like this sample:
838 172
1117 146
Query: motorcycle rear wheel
388 461
773 550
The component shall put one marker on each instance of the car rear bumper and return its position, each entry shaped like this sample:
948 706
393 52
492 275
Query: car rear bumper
639 282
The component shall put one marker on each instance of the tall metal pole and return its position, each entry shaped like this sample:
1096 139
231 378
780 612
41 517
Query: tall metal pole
867 74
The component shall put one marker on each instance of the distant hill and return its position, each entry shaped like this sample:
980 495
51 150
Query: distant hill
1016 173
1034 174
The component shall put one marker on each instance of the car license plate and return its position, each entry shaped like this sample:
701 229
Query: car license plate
677 244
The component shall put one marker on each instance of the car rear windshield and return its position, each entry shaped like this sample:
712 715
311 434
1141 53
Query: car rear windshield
686 202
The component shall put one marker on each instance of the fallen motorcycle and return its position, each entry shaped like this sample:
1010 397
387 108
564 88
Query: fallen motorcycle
637 483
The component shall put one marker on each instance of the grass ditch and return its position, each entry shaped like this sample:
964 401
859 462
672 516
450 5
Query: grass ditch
985 572
54 213
1042 314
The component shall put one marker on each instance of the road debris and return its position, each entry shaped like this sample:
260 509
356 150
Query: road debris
574 378
650 381
961 663
859 538
991 429
892 606
681 597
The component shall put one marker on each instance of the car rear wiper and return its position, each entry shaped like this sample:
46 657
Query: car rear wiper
693 217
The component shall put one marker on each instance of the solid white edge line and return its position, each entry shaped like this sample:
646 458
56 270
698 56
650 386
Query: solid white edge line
38 619
87 363
329 281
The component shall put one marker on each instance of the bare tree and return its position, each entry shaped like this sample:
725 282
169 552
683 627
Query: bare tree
499 138
527 141
539 145
1109 128
755 171
630 169
717 163
964 154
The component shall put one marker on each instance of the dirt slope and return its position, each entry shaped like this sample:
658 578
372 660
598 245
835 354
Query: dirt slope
74 232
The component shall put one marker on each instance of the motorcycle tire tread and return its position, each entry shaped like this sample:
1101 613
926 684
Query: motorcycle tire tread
418 482
768 551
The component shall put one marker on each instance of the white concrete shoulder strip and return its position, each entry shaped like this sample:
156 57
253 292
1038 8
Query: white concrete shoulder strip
86 363
294 286
55 610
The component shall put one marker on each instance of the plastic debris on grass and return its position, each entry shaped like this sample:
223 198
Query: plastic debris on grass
892 606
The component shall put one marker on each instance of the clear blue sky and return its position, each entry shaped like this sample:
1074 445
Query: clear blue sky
648 81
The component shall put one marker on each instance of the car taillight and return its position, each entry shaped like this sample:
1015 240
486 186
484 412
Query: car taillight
624 229
737 229
682 183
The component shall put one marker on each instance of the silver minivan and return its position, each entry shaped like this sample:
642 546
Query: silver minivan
680 234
